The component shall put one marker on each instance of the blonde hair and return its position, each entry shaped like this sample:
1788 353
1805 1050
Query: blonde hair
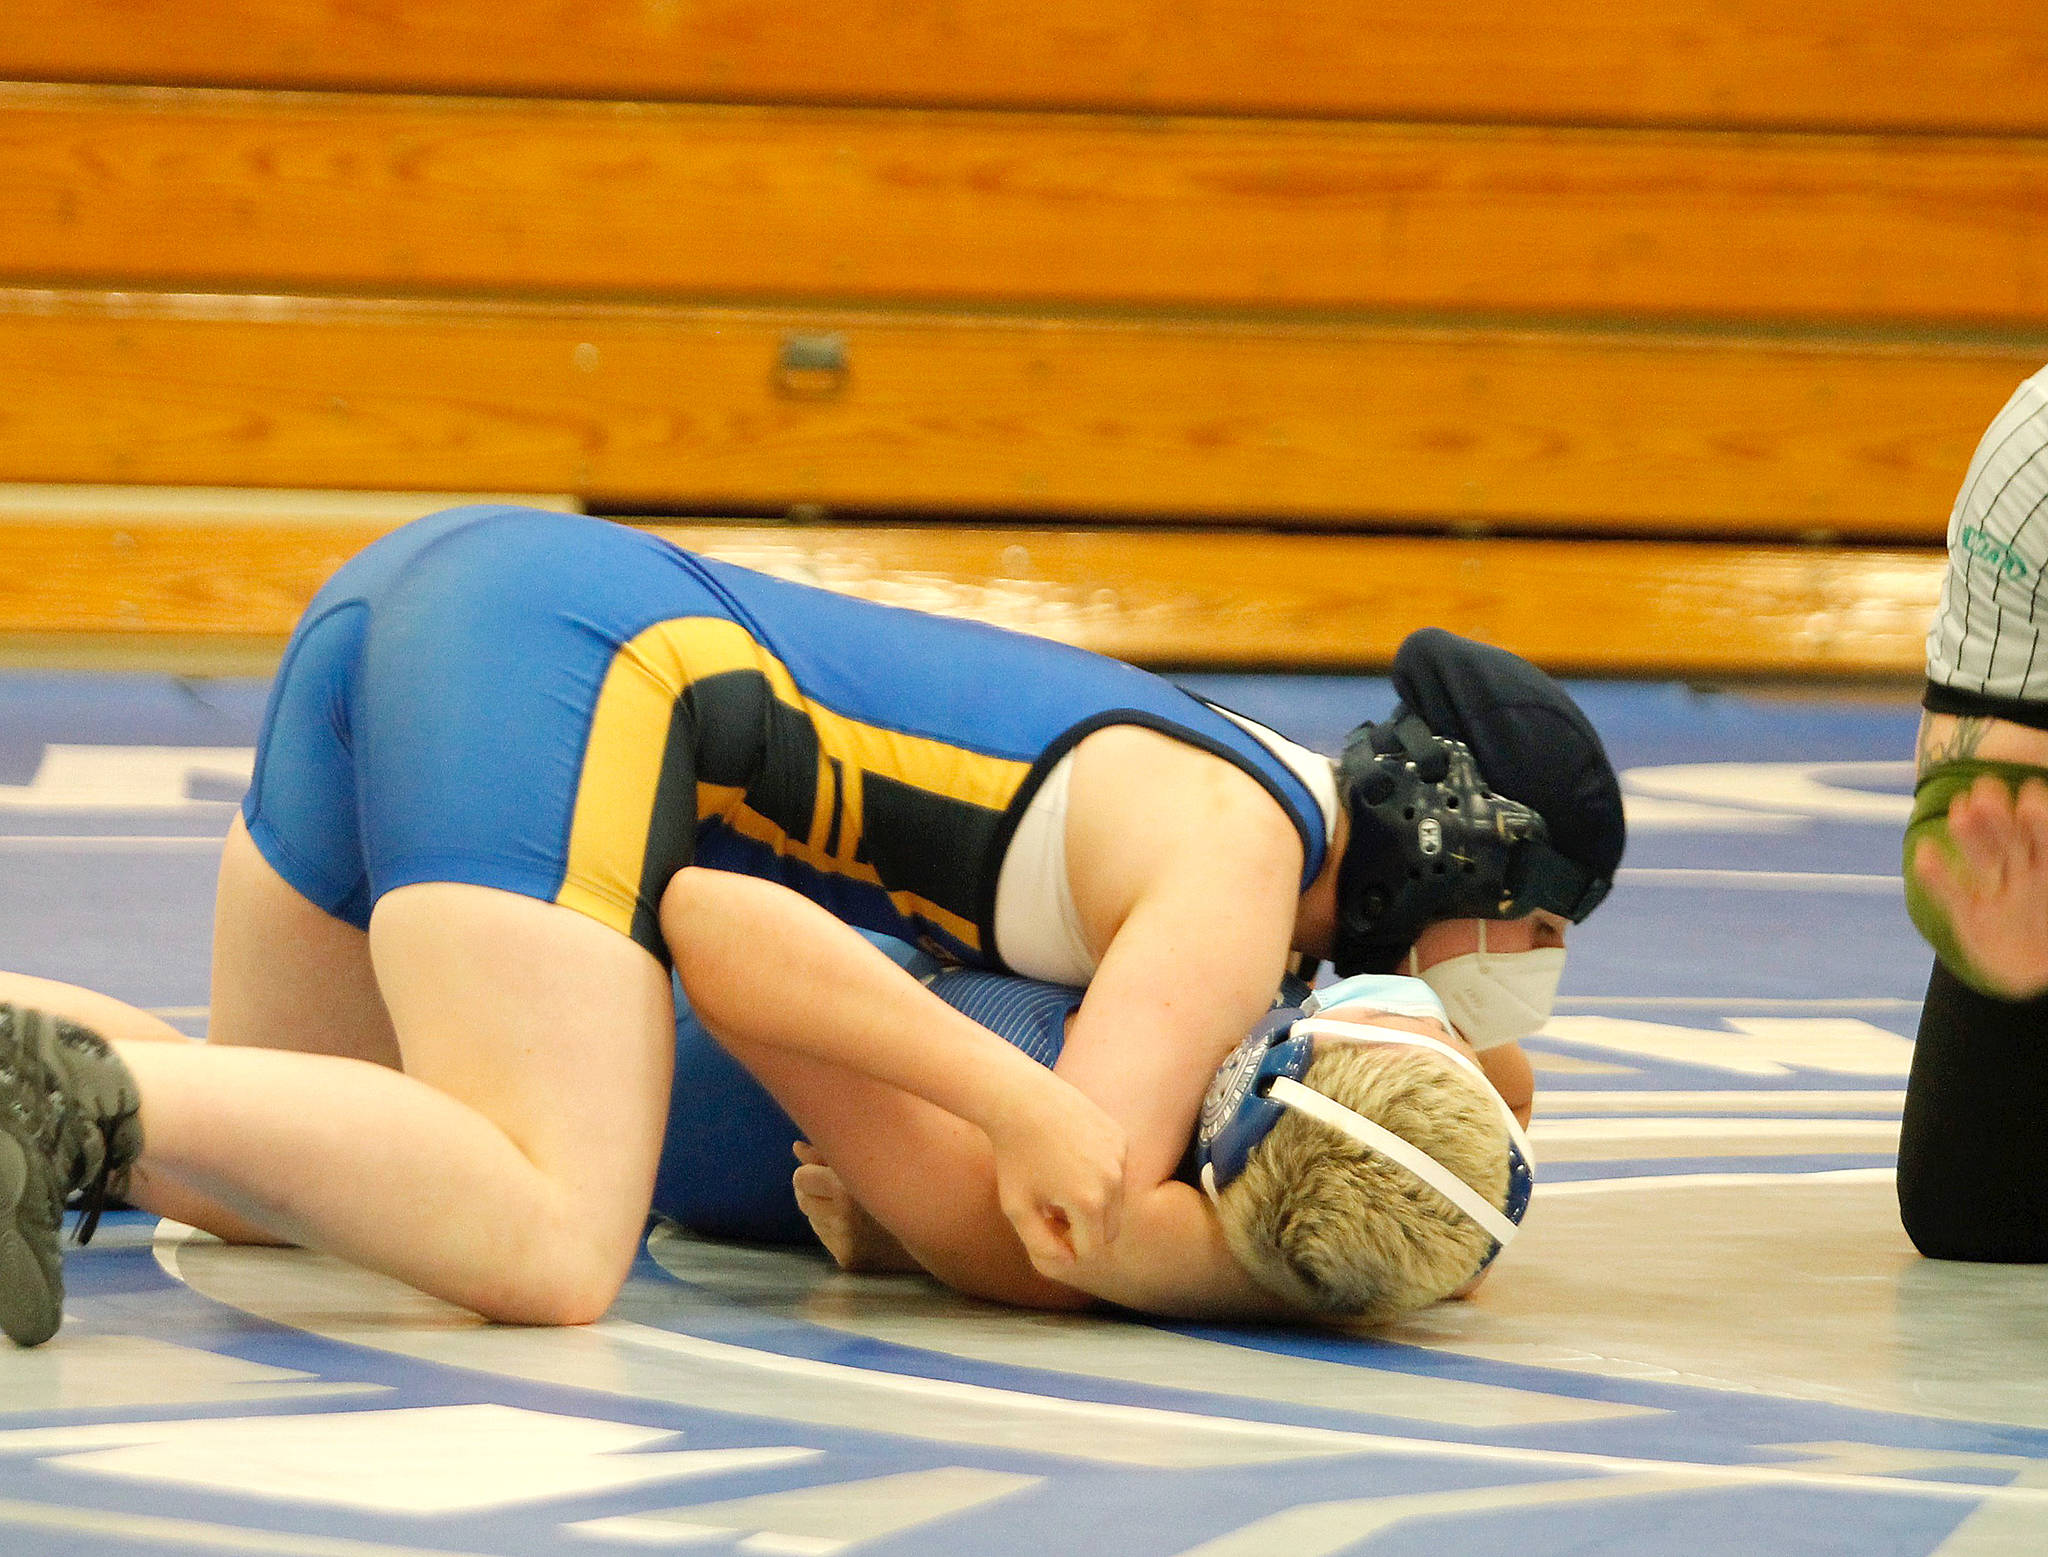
1335 1229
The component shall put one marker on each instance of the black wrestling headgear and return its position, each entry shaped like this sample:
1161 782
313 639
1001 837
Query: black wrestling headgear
1485 795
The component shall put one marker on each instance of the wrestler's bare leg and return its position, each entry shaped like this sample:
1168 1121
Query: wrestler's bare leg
105 1015
286 975
508 1168
121 1023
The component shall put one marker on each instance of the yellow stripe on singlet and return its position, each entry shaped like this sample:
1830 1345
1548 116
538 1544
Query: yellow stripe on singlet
629 732
621 774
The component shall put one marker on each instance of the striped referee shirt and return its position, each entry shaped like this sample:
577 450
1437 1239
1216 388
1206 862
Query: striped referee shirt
1985 651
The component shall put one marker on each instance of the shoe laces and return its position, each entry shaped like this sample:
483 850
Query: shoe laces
93 1199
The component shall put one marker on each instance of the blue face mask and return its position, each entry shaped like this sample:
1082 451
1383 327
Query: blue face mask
1391 992
1263 1078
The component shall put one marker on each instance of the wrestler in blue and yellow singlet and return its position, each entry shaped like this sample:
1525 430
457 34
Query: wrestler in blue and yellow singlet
574 710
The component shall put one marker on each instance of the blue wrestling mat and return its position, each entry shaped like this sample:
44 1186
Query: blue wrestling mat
1711 1338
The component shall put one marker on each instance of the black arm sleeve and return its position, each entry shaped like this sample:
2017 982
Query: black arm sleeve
1973 1150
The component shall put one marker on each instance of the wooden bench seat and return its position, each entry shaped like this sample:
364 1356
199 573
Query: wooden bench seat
269 191
682 410
228 573
1929 65
1229 316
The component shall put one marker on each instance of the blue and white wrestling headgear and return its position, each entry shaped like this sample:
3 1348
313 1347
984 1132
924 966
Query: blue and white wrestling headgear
1263 1078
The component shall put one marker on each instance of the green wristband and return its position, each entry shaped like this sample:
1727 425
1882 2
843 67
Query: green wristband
1932 797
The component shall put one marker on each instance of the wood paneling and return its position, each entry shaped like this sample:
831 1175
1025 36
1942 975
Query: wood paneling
222 578
1303 601
1326 424
280 191
189 567
1163 597
1910 64
1714 275
262 508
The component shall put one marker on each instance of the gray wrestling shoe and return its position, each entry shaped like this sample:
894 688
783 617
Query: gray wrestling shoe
67 1123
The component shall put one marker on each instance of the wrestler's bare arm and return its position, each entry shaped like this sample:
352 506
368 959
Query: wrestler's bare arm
1197 930
768 970
1186 881
1188 875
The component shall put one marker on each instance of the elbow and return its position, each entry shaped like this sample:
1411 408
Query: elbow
1020 1287
556 1308
1049 1298
1057 1298
547 1303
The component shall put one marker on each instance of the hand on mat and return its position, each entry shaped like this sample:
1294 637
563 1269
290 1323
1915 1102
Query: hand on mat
1995 887
1059 1173
852 1237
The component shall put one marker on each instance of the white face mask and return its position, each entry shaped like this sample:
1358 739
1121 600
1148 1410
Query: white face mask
1495 997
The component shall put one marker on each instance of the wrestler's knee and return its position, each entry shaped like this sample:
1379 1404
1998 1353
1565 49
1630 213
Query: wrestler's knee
556 1279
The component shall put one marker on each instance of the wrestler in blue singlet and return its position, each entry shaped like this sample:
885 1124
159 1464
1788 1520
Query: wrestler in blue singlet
725 1157
574 710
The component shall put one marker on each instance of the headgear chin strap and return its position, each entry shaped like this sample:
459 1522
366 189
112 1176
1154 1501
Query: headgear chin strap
1264 1077
1430 841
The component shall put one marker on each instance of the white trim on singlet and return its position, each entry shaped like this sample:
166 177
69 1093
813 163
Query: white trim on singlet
1986 637
1038 929
1316 772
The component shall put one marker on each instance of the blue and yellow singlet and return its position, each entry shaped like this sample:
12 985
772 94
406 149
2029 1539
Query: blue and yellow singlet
574 710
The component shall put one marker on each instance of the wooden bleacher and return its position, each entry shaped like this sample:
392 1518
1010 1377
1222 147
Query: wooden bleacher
1965 65
1247 333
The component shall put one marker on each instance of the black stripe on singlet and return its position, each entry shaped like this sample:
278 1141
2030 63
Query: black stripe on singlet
671 830
730 730
749 739
932 844
838 770
918 839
